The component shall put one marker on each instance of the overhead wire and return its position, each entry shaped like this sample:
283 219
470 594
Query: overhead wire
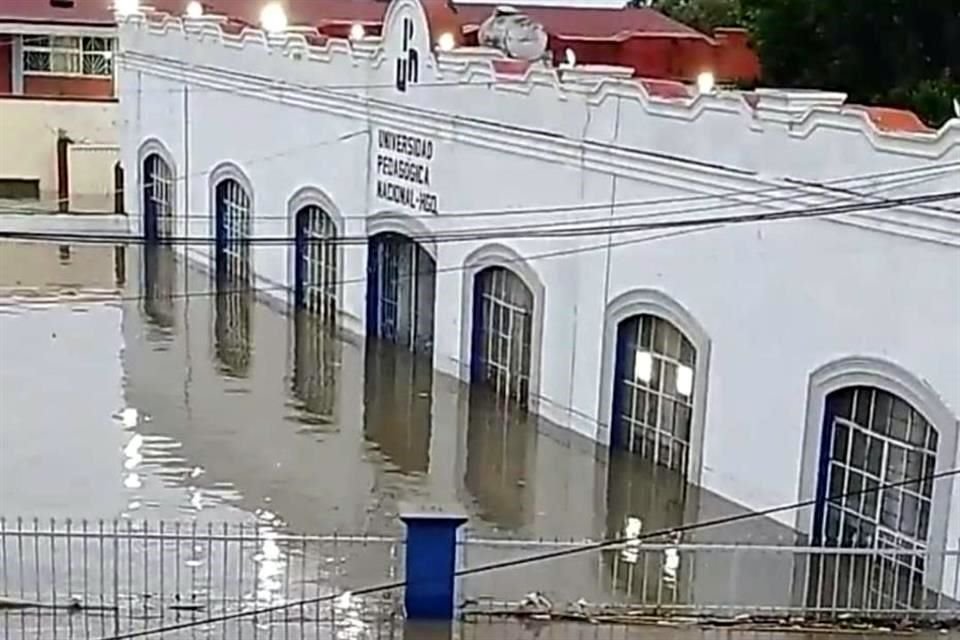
524 232
545 556
733 198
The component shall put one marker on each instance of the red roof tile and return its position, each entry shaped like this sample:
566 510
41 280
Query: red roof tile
889 119
580 22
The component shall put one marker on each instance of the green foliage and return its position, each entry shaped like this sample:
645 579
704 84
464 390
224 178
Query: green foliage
902 53
891 52
704 15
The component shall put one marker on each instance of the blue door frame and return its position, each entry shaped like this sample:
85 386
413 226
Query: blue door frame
823 472
220 235
382 249
300 252
151 231
477 362
618 439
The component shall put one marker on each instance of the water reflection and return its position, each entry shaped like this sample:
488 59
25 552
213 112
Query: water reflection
233 325
159 285
379 427
316 364
398 402
501 459
642 498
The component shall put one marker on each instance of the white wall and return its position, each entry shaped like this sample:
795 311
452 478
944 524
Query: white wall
28 146
776 300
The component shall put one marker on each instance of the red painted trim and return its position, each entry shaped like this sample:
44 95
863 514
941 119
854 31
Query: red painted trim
38 98
110 25
54 85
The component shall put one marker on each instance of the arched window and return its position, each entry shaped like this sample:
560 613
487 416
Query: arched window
653 394
158 202
502 333
317 270
876 438
234 229
234 277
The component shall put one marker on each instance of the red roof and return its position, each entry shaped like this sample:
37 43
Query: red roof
569 22
83 12
582 22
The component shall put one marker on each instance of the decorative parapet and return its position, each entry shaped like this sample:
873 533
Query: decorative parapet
802 112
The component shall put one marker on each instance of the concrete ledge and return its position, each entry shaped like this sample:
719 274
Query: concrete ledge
89 225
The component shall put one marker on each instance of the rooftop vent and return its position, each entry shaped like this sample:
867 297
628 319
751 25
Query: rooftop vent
514 33
61 4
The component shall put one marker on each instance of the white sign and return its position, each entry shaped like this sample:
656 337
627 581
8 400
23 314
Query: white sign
403 171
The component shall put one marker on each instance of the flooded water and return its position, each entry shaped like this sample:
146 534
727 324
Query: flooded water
132 392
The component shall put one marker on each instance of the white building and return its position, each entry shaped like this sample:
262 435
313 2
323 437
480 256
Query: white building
577 238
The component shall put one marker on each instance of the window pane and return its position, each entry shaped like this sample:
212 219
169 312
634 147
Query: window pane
36 41
840 441
65 62
96 44
864 405
881 412
66 42
36 61
97 65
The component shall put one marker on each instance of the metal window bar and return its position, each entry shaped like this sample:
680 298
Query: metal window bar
507 316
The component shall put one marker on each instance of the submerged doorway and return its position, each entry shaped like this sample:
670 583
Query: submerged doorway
872 438
401 282
502 333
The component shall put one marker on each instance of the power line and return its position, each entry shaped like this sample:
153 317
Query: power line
601 207
541 557
449 269
524 232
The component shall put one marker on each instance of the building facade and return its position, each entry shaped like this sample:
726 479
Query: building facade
759 292
59 142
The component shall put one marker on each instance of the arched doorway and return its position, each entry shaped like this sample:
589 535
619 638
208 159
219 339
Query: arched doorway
233 231
316 270
159 262
401 283
158 199
503 308
233 267
653 395
872 438
316 357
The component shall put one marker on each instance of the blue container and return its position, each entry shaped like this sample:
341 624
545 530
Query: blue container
431 564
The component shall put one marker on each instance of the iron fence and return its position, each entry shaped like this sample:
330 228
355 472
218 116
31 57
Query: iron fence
100 579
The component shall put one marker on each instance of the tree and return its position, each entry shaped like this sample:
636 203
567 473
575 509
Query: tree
703 15
902 53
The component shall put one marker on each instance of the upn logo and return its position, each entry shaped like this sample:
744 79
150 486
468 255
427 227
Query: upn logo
408 64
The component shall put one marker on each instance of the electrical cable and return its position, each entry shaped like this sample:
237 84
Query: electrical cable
218 291
541 557
522 232
602 207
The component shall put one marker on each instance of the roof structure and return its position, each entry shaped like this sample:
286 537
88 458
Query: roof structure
570 22
78 12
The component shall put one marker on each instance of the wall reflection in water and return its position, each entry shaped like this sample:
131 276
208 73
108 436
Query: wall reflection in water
501 459
643 498
316 365
233 325
159 286
398 401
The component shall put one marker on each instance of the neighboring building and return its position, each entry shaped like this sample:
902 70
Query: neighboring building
570 236
58 142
